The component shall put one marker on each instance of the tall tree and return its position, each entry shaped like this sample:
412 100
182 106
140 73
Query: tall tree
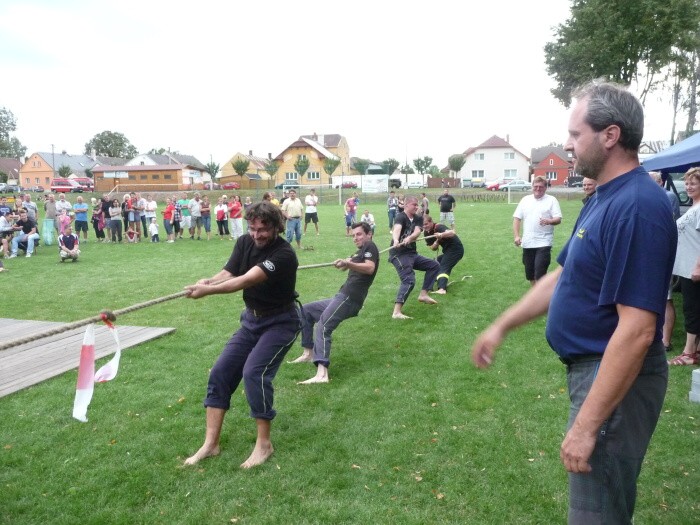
212 168
111 144
10 146
422 165
406 169
456 162
613 40
64 171
330 165
390 166
361 166
301 165
240 166
271 168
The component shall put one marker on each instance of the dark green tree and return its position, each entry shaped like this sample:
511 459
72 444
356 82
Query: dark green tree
10 146
330 165
456 162
212 168
422 165
390 166
271 168
240 166
111 144
64 171
301 165
618 40
406 169
361 166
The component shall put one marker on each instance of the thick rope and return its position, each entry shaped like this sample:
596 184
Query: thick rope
108 316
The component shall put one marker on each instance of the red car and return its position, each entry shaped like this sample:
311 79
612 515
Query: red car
349 185
231 186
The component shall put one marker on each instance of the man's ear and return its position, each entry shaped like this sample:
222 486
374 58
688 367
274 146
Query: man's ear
611 136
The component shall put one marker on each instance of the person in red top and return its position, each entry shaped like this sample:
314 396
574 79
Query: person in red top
168 218
235 213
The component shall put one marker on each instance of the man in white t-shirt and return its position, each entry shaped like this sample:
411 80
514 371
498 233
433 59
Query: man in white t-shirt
311 215
538 213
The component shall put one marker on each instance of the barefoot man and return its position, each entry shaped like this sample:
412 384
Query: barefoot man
452 249
327 314
264 266
404 256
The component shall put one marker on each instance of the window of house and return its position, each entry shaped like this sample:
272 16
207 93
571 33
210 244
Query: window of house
132 177
510 174
477 174
509 155
479 156
36 181
142 163
291 175
156 177
302 157
143 177
551 162
167 177
551 175
313 175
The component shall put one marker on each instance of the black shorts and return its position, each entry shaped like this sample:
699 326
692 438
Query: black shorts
536 261
81 226
311 217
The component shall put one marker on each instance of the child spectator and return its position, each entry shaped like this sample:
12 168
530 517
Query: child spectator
153 230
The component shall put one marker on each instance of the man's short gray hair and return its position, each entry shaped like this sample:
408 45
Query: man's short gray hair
611 104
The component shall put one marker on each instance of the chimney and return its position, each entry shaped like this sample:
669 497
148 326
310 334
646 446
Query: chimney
269 156
315 137
250 152
508 138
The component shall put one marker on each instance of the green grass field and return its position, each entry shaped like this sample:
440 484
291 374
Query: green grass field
407 431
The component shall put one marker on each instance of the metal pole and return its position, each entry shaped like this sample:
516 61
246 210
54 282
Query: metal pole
53 163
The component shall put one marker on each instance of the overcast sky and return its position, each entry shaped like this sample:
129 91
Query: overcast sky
398 79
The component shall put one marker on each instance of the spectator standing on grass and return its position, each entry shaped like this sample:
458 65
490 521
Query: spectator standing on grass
185 218
292 210
63 204
150 209
235 213
30 206
115 220
392 204
68 245
98 221
64 220
140 207
404 256
206 216
50 222
177 218
447 208
80 209
321 318
687 268
195 207
368 218
106 204
221 214
452 250
424 205
311 211
605 309
153 230
350 212
264 266
127 211
246 206
168 220
538 213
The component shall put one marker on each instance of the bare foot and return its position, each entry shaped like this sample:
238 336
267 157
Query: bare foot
204 452
314 379
259 456
427 300
305 357
440 291
400 316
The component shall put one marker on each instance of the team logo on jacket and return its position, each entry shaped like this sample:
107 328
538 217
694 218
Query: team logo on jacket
269 265
368 255
581 233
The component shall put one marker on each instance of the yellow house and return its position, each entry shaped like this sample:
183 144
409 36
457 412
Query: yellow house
315 148
255 177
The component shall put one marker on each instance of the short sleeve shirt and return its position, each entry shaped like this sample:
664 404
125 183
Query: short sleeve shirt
407 228
529 211
357 284
277 260
80 211
446 203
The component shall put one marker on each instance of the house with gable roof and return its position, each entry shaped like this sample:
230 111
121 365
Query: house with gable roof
553 163
316 148
255 177
494 159
10 167
41 167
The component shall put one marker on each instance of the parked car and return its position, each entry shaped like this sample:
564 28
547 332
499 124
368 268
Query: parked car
394 183
9 188
231 186
414 185
287 185
213 186
37 189
495 185
349 184
59 185
517 184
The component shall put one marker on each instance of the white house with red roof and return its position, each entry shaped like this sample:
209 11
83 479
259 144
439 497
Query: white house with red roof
493 160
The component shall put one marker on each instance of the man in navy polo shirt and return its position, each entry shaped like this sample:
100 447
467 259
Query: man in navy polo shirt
605 305
264 266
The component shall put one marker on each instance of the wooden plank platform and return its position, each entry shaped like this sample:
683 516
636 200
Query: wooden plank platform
28 364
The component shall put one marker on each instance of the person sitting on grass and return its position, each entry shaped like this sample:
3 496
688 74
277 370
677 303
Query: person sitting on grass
68 244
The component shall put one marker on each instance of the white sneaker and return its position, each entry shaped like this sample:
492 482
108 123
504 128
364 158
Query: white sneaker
28 255
12 256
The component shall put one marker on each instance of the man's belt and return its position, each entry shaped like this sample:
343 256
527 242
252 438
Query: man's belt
295 217
271 311
576 359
